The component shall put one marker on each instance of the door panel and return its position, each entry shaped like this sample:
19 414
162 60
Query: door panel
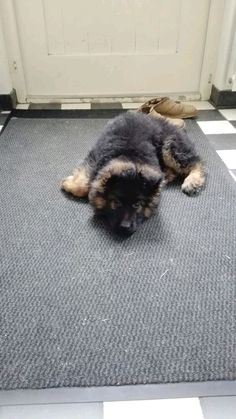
76 48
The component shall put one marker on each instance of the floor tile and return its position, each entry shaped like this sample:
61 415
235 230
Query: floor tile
229 114
201 105
218 407
110 105
223 141
153 409
217 127
131 105
208 115
76 106
233 174
45 106
233 123
228 157
53 411
22 106
3 119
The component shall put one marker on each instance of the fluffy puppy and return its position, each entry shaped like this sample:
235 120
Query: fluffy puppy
134 156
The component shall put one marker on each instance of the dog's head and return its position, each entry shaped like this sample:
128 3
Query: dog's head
126 193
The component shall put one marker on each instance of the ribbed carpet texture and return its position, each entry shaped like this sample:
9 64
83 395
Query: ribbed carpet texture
80 307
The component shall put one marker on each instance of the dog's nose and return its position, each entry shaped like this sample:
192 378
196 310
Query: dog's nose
127 227
125 231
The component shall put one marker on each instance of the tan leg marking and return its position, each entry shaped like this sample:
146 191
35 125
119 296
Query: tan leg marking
195 173
170 176
77 184
171 163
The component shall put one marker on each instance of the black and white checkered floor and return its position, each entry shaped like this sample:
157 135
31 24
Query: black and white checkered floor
219 126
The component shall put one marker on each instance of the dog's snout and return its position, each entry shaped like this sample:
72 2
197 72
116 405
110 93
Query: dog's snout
127 227
126 224
126 231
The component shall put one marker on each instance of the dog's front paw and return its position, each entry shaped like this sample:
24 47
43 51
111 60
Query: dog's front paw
66 184
77 184
192 186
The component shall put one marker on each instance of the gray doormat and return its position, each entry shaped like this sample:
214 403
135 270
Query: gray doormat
80 307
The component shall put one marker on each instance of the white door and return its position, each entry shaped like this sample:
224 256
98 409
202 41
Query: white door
88 48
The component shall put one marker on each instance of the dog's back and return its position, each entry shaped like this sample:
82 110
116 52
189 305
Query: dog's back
131 135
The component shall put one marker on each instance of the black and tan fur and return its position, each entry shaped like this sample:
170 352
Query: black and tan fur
133 158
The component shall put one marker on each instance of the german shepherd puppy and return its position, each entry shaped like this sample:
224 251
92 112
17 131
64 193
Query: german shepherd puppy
133 158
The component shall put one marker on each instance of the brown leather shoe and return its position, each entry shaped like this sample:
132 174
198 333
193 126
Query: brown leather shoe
169 108
178 123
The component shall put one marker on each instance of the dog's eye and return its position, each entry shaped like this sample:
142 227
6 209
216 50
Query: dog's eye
137 205
115 203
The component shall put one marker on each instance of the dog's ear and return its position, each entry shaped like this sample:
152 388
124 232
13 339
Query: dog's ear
112 172
151 177
152 184
115 178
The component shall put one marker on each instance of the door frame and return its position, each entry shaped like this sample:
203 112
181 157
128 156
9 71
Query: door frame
14 55
16 65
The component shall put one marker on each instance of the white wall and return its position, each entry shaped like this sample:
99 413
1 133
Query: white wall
225 74
5 79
